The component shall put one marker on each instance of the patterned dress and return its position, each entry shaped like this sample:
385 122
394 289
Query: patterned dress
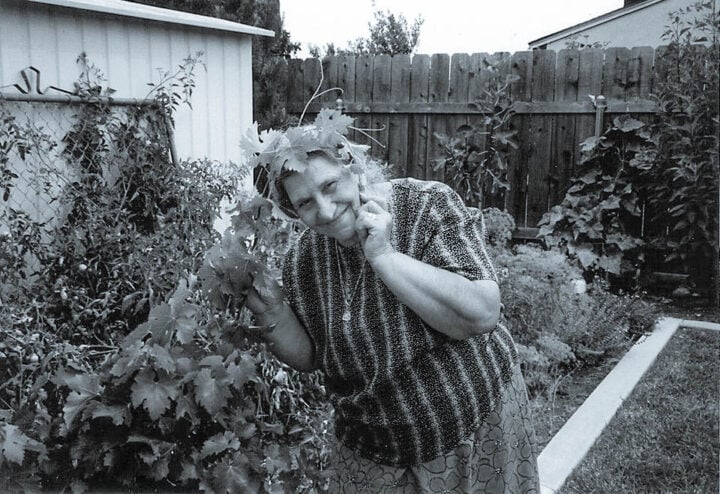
415 409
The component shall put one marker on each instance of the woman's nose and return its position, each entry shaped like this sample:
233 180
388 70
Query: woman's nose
325 210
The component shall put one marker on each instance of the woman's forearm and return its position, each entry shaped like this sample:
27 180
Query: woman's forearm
288 340
446 301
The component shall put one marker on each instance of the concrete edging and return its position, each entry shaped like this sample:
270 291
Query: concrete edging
570 445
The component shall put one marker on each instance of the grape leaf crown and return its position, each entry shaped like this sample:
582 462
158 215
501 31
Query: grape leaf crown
277 151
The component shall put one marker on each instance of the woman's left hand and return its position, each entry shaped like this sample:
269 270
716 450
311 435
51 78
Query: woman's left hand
374 226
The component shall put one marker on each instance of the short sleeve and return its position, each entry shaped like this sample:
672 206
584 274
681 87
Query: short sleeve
297 289
457 242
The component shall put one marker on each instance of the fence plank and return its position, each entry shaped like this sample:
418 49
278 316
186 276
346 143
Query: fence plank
481 66
296 72
330 80
541 132
563 154
640 72
418 131
615 77
363 94
398 130
661 67
382 78
589 83
311 78
458 88
520 66
439 86
346 77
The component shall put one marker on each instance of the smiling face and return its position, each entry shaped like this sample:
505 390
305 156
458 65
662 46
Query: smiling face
325 197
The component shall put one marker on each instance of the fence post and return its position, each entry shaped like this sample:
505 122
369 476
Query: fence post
600 106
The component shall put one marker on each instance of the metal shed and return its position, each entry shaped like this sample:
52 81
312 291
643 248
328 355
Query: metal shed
129 42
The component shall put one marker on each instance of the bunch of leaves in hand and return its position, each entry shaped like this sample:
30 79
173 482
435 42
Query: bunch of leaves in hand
248 255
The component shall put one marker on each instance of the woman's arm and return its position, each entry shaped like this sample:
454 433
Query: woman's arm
286 337
446 301
287 340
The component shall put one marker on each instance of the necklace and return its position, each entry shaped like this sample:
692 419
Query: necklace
347 299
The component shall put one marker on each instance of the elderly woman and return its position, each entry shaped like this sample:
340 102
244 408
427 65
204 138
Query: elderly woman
390 293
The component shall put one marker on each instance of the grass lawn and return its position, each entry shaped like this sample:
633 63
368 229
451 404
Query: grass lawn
665 437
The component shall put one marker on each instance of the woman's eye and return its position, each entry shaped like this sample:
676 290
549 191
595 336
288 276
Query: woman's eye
330 186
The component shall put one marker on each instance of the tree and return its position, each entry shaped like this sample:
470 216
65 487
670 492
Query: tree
266 50
389 35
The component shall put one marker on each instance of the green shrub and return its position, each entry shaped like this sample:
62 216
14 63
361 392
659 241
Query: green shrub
557 329
499 227
117 370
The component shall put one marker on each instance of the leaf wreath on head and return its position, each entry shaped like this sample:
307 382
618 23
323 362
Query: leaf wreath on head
277 151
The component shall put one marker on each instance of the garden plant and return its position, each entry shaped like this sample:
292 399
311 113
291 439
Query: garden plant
650 189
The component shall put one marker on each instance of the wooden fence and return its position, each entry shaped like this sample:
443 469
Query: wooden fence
412 98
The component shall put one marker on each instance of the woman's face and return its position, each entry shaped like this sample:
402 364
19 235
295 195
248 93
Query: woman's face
325 197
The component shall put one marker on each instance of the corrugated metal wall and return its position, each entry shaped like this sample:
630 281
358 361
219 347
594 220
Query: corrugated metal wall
129 51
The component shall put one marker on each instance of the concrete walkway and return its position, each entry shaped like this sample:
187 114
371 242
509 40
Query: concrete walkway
570 445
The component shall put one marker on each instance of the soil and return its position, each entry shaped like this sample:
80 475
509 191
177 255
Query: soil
551 413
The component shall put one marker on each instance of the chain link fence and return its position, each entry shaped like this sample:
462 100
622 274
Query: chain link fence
47 144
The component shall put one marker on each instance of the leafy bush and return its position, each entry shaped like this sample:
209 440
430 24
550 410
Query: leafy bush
117 367
597 221
499 227
683 193
668 169
557 329
475 161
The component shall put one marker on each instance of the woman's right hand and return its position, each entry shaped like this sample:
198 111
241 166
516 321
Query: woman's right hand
266 307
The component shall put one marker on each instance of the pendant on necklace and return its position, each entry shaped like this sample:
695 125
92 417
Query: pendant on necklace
346 315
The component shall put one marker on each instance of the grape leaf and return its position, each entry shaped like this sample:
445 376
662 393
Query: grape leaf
211 393
329 120
78 487
185 325
212 361
83 389
116 413
242 372
185 407
132 358
158 449
160 469
13 443
80 382
189 472
332 126
230 477
219 443
161 357
277 458
154 395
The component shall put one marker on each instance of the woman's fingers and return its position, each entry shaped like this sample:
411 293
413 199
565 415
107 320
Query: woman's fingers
257 303
380 201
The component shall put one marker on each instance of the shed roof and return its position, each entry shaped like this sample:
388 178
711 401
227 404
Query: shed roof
148 12
602 19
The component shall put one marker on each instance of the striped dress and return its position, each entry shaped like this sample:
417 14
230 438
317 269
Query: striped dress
403 393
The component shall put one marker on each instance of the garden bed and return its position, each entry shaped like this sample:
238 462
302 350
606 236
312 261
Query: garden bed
551 413
665 436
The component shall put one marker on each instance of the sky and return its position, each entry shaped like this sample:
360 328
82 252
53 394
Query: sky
451 26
